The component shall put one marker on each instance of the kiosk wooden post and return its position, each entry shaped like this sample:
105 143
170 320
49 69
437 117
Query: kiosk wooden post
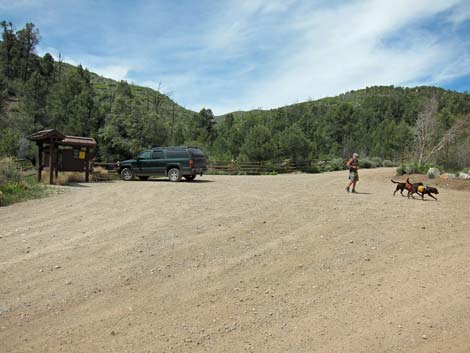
51 162
39 160
87 165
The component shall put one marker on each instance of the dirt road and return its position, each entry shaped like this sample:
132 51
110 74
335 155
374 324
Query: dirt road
287 263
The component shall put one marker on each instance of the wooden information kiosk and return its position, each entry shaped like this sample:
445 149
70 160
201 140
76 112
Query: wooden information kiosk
59 152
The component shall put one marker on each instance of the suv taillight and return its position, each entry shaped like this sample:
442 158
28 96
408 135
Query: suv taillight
191 163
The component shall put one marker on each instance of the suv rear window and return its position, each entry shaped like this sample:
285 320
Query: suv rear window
196 152
176 154
157 155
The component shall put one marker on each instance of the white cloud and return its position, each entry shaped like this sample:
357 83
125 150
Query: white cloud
8 5
457 68
461 13
243 54
116 72
99 65
340 49
250 7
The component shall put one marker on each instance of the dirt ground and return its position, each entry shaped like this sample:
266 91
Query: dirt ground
286 263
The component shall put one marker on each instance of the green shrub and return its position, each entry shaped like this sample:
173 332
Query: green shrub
9 171
377 161
367 163
333 165
14 187
312 169
401 170
8 142
269 165
414 168
13 192
388 163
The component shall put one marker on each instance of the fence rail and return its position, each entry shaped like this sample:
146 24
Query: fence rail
110 167
25 166
257 167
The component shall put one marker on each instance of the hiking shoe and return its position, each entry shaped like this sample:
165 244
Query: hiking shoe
347 189
353 192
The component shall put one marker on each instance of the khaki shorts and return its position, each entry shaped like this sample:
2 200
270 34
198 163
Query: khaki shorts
353 176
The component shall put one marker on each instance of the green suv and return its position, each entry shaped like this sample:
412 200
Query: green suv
173 162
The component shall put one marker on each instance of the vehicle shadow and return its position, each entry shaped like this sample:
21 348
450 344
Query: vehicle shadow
78 185
197 181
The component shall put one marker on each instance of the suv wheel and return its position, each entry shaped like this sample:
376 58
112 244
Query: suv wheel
126 174
174 174
190 177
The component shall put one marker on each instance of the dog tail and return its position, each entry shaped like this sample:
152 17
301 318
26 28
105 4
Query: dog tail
393 181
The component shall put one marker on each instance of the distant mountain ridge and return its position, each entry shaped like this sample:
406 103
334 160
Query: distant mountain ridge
360 94
374 121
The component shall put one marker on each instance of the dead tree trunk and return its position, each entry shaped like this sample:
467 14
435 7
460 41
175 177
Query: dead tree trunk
450 137
425 128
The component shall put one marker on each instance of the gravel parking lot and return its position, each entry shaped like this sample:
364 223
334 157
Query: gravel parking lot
286 263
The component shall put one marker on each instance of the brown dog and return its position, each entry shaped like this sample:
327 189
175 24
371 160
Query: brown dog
414 188
429 190
400 186
403 186
422 190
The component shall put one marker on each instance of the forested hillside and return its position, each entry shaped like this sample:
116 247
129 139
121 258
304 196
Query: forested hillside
40 92
421 123
376 121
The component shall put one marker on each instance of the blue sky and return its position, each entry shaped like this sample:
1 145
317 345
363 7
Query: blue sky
232 55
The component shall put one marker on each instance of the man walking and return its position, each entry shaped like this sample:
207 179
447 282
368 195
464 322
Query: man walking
353 166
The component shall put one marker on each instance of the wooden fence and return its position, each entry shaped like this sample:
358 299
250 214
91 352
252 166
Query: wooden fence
25 166
111 167
234 167
107 171
103 171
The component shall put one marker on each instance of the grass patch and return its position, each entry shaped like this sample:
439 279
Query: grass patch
64 178
68 178
15 186
17 191
102 174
